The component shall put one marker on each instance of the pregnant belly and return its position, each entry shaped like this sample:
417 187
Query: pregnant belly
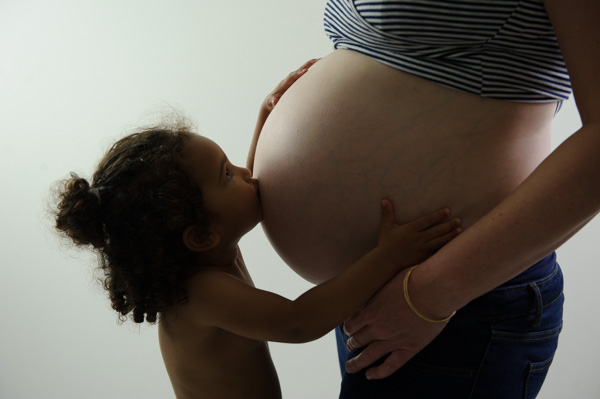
352 131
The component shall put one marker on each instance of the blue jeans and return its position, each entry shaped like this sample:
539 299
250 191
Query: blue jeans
499 346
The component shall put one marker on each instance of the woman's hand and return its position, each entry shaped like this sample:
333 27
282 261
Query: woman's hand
285 84
385 325
269 103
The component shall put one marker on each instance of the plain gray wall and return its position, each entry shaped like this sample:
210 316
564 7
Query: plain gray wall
76 75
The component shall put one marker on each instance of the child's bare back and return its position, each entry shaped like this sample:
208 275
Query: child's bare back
208 362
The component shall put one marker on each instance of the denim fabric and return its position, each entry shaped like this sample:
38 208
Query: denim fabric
499 346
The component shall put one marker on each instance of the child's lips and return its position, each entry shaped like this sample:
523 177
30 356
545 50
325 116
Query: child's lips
258 197
254 183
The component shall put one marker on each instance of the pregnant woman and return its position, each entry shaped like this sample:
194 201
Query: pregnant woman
435 104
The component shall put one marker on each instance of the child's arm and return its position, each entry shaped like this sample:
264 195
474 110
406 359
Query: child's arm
269 103
224 301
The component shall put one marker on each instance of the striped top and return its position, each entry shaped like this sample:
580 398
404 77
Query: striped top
503 49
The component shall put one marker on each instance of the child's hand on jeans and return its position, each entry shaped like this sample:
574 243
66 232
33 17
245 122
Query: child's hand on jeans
417 240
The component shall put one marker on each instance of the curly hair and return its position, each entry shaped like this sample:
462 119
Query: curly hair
133 215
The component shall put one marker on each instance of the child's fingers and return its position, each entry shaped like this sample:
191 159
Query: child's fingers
441 228
388 219
431 219
438 242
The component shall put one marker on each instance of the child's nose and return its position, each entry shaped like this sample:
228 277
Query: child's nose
246 173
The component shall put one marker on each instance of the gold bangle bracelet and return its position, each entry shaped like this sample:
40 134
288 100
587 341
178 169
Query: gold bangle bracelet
410 304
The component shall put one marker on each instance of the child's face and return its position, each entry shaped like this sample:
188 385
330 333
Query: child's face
230 192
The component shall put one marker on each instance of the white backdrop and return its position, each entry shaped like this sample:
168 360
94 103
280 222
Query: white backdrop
74 76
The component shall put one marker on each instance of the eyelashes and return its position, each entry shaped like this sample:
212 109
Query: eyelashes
228 174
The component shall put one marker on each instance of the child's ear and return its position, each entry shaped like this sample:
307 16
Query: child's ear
196 240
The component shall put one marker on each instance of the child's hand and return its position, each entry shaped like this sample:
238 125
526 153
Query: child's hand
415 241
285 84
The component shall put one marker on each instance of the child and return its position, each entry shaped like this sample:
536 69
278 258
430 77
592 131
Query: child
165 211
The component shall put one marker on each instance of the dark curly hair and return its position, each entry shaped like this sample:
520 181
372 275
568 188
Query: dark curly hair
133 215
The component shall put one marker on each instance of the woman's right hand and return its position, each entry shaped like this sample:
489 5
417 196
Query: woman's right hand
269 103
415 241
285 84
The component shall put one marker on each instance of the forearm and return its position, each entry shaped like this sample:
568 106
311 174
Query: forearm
262 118
327 305
557 200
322 308
233 304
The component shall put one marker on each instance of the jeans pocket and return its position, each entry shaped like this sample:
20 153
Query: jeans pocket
516 363
535 377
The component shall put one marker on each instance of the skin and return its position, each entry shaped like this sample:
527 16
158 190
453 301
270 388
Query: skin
348 139
214 345
491 165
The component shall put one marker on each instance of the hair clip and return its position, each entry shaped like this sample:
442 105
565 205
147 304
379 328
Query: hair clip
95 192
74 175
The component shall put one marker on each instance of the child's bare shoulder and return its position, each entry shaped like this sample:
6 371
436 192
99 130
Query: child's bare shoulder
207 286
215 278
203 289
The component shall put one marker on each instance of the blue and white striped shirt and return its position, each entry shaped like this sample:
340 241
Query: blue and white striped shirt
503 49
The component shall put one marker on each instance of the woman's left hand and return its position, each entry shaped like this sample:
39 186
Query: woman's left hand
385 325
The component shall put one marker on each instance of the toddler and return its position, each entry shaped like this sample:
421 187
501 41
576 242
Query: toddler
165 211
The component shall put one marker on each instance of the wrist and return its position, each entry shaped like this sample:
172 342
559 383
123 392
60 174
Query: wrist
432 294
264 111
413 307
381 257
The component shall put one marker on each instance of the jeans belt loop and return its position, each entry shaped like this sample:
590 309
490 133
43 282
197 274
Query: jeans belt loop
538 304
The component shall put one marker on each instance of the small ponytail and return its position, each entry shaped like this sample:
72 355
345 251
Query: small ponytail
78 213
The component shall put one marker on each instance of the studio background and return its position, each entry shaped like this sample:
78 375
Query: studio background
77 75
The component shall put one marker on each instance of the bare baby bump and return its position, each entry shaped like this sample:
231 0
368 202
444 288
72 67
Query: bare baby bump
352 131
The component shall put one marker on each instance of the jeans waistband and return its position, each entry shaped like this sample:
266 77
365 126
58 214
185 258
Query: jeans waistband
542 289
535 272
